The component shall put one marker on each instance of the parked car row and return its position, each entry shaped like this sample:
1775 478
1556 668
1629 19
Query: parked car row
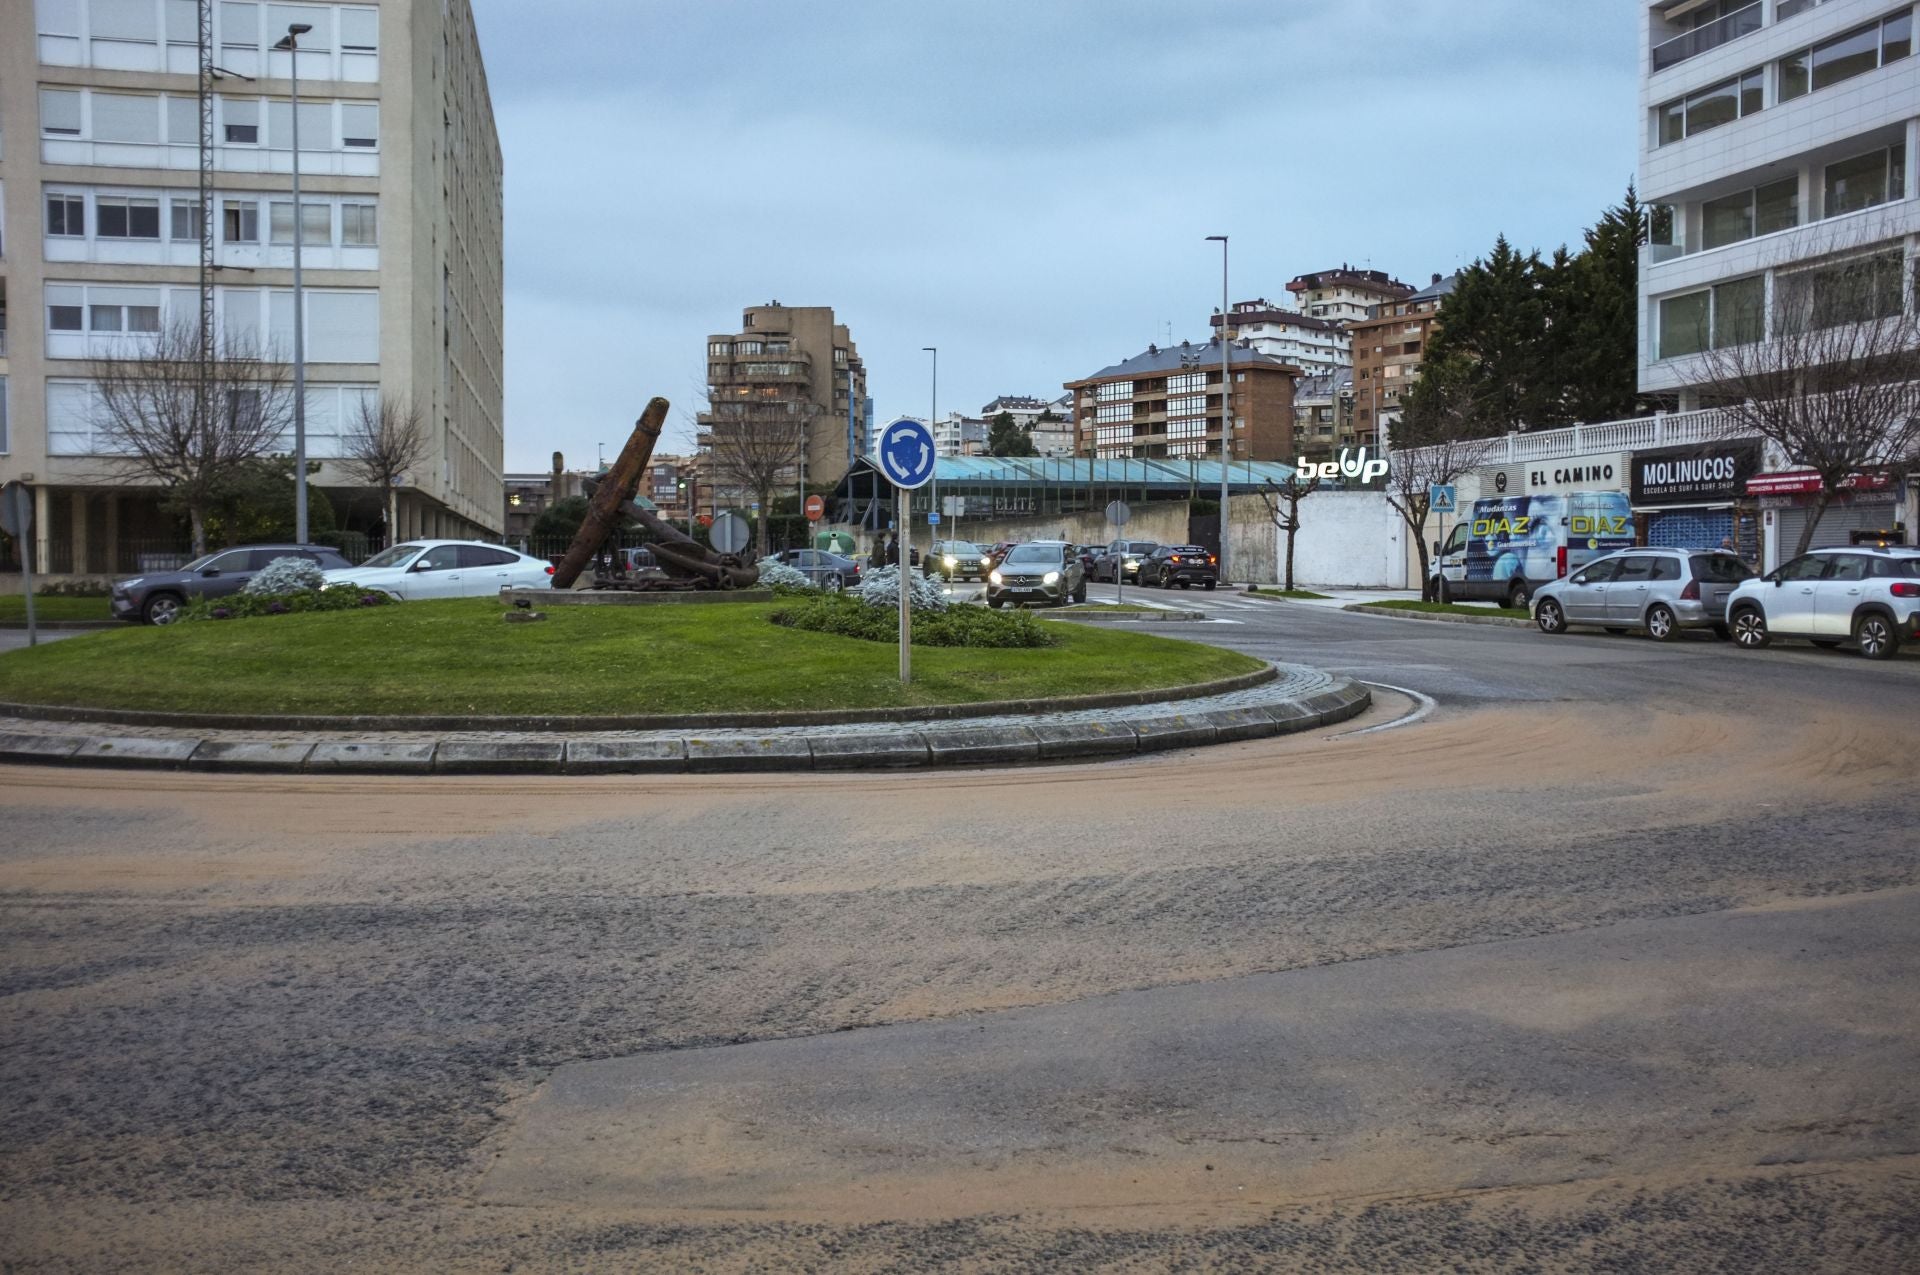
415 569
1868 595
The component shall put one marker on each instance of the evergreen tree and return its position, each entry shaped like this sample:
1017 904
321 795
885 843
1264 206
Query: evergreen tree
1006 438
1496 319
1598 313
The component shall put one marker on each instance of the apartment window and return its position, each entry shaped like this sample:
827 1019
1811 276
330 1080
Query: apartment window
183 220
316 126
1855 290
116 217
839 357
126 117
719 349
240 221
359 30
183 121
1190 405
241 120
776 347
316 222
1739 312
123 318
1187 383
1109 391
1711 107
1684 324
60 112
748 347
1866 180
1846 56
360 125
124 20
281 16
1747 213
65 318
67 216
358 227
1113 412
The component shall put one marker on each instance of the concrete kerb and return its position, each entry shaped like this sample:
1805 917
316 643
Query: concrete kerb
1131 617
1319 700
1444 617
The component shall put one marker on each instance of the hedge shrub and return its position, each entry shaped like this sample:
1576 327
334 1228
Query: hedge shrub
848 616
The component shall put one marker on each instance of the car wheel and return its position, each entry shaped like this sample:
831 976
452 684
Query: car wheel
835 584
1550 617
1186 584
1210 586
1444 592
1750 629
1520 595
1080 594
996 603
1661 624
1825 644
161 608
1876 635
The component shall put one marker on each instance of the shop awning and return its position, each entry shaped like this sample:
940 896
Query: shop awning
1796 481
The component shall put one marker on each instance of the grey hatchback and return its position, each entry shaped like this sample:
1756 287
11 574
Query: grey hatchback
157 597
1660 590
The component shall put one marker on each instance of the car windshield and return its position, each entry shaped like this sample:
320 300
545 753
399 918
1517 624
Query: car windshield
1143 546
393 557
1034 553
200 562
961 546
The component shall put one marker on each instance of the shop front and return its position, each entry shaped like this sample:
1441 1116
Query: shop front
1695 497
1865 510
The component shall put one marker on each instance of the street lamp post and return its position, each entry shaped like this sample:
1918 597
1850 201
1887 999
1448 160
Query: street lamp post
933 424
290 44
1226 406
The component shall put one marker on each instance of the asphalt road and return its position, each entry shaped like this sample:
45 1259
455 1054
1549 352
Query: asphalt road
1606 964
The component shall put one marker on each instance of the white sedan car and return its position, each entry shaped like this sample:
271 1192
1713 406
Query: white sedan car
447 569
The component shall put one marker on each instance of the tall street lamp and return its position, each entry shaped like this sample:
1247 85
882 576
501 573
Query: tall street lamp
290 45
1226 405
933 423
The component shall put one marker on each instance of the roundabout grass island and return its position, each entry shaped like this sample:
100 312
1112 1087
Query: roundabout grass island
455 657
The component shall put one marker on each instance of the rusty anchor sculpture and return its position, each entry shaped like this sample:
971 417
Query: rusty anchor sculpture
683 562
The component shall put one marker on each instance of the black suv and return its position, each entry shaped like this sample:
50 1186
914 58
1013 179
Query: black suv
1184 565
157 597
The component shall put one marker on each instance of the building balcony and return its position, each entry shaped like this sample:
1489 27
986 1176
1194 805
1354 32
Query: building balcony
1721 31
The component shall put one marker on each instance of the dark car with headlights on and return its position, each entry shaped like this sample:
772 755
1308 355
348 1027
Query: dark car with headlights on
1122 559
957 560
158 596
1039 571
1184 565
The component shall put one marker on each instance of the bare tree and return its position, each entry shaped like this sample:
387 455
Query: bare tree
194 426
385 440
1283 510
1834 386
1442 433
755 442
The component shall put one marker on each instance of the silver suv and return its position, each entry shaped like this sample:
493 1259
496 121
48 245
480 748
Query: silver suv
1038 571
1871 595
1660 590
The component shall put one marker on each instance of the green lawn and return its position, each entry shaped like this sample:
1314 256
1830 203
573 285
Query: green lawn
459 657
1447 608
1307 594
13 608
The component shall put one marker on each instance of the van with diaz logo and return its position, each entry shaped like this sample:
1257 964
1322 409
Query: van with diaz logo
1509 544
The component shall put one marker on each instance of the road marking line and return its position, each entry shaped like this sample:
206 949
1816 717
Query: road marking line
1426 702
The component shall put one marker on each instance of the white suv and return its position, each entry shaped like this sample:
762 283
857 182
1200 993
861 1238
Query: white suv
1871 595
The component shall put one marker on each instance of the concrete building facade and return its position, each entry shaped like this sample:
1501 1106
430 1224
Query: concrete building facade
1168 404
99 241
1778 149
1388 348
790 365
1315 345
1344 295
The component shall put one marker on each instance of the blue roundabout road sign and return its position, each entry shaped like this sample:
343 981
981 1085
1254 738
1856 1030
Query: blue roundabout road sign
906 453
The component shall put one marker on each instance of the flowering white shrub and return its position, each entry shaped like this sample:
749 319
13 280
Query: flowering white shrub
287 575
775 574
881 588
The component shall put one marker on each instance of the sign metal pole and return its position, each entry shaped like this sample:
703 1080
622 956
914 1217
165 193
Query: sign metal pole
901 556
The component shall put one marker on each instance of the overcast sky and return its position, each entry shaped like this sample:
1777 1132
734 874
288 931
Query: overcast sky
1025 184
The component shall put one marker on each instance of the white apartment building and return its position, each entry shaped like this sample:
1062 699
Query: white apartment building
1319 347
100 241
1781 135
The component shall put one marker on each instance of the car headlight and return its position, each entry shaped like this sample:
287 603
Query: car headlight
952 561
1052 577
993 577
134 583
1130 564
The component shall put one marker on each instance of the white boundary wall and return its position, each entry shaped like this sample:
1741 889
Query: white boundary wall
1348 540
